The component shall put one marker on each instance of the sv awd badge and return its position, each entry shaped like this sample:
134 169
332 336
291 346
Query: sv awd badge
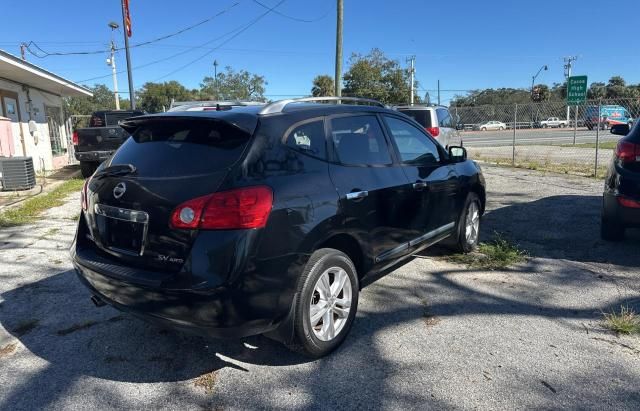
167 259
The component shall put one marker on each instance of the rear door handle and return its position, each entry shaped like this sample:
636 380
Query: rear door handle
356 195
420 185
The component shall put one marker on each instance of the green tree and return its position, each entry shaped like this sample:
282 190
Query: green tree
102 99
323 86
378 77
232 85
541 92
153 97
596 90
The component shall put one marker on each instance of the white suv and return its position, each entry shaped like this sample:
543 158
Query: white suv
437 120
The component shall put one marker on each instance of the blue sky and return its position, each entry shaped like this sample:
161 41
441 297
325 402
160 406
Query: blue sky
466 44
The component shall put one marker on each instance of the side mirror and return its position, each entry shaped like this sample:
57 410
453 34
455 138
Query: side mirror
457 154
620 129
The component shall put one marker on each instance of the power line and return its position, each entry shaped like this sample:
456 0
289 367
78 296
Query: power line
245 28
291 17
169 57
145 43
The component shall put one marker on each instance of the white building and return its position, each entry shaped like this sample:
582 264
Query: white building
31 98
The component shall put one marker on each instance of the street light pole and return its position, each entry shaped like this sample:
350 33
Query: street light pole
215 78
132 96
533 78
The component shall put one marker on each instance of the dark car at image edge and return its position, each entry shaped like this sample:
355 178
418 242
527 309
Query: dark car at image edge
621 198
269 219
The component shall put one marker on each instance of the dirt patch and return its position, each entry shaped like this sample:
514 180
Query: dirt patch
206 381
7 350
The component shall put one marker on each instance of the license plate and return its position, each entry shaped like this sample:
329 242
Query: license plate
122 230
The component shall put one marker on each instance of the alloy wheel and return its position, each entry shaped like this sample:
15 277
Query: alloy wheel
472 223
330 303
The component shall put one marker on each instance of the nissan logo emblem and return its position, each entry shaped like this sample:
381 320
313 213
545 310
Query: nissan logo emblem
119 190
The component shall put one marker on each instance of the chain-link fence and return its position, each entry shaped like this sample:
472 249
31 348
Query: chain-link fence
71 124
548 135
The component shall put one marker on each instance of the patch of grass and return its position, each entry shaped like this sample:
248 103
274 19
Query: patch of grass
74 217
29 211
77 327
583 170
206 381
7 350
25 327
494 255
607 145
625 321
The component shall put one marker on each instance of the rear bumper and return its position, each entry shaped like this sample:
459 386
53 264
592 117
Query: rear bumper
93 156
614 211
222 312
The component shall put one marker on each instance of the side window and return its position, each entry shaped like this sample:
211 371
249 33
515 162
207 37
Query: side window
308 138
413 145
359 140
444 117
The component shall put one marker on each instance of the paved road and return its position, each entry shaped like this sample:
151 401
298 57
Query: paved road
553 136
432 335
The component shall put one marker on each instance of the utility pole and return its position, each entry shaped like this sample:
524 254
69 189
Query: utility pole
568 64
338 76
126 23
215 77
111 61
438 92
412 70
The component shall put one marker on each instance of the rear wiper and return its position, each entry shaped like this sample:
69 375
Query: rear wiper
115 170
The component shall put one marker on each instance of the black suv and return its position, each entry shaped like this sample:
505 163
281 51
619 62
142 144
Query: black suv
269 220
621 199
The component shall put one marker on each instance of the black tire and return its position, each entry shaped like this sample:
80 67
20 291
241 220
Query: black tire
544 126
501 128
483 129
305 339
87 168
462 245
611 230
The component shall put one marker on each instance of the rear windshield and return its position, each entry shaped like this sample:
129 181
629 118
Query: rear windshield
423 117
170 147
114 118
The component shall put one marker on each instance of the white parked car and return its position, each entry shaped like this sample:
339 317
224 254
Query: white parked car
491 125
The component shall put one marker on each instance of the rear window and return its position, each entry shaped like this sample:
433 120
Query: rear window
165 148
423 117
114 118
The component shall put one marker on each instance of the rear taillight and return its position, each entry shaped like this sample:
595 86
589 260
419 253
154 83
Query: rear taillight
74 138
83 195
434 131
241 208
629 203
627 151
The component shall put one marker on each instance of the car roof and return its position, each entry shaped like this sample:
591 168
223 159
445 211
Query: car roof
246 117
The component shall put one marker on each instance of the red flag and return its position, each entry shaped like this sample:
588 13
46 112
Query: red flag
127 17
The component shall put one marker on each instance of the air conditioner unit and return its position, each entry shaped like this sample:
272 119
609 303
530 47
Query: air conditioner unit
17 173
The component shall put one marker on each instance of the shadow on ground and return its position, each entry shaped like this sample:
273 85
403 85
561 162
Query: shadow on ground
558 227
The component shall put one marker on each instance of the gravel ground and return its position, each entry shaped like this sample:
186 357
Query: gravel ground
431 335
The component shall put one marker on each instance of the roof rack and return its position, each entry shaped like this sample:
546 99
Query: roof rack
278 106
211 103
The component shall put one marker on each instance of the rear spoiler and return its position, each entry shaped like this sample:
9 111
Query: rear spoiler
244 122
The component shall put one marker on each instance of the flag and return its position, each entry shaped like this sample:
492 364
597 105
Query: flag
127 17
